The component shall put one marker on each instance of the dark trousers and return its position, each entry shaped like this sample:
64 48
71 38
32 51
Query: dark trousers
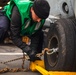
4 25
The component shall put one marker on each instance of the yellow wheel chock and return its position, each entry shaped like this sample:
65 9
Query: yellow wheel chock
38 65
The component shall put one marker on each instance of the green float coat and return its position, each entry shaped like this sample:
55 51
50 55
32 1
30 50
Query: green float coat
24 10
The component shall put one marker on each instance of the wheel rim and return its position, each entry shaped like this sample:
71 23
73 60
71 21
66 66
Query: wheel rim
53 58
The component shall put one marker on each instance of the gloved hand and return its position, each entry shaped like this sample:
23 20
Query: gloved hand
31 53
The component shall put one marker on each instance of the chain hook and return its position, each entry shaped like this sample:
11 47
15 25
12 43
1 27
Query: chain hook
51 51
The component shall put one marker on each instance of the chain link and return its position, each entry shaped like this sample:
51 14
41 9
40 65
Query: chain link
6 69
26 40
23 60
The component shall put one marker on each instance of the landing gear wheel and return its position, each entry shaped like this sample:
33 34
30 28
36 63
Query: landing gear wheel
61 36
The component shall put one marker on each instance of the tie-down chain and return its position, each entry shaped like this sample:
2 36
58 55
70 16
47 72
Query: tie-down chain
25 56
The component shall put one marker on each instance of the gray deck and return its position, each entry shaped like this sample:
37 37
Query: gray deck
9 48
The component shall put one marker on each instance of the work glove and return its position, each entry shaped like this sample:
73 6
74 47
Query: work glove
31 53
33 56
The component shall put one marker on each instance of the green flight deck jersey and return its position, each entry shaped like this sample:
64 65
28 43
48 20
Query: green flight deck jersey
24 9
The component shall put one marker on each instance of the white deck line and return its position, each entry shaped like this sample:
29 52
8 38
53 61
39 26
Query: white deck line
12 54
